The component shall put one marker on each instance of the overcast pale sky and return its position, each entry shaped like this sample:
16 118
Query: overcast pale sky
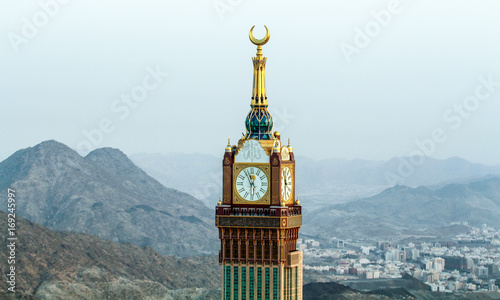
348 79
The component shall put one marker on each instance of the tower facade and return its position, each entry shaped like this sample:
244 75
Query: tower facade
258 216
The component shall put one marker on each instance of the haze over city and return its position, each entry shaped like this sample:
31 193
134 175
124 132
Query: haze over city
345 79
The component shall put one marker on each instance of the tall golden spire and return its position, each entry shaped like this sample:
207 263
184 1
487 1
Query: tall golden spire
259 96
259 122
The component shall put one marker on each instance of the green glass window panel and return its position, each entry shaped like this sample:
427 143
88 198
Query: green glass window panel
276 284
228 283
243 283
259 283
251 283
267 282
235 283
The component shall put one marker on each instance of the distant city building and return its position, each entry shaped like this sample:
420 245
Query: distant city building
372 274
482 272
339 243
470 264
493 269
438 264
365 250
455 263
492 287
384 245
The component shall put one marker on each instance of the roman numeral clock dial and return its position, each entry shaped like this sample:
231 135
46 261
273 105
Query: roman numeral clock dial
252 184
286 184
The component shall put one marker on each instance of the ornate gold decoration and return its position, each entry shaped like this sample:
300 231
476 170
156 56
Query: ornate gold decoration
220 202
226 161
258 222
277 145
285 154
275 161
262 41
251 151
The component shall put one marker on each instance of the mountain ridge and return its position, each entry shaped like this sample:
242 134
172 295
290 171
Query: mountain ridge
403 210
107 195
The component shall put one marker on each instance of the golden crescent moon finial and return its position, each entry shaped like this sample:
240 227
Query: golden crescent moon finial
261 41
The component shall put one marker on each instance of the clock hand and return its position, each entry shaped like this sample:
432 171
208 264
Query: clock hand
252 181
248 176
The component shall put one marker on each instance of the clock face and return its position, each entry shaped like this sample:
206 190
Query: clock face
286 184
251 183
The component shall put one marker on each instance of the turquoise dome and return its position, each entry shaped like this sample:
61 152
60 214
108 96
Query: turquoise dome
259 124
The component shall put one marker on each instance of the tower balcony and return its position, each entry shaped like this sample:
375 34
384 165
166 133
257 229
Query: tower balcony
272 211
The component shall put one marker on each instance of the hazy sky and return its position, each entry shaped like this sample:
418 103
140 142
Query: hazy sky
349 79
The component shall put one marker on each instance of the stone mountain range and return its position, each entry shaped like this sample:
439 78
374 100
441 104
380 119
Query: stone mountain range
351 199
106 195
403 211
66 265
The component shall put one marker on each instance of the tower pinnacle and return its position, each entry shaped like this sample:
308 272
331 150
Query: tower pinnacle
259 122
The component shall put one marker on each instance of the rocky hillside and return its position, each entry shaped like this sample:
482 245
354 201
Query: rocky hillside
64 265
106 195
406 288
337 291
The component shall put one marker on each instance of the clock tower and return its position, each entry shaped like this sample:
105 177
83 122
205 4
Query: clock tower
258 216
